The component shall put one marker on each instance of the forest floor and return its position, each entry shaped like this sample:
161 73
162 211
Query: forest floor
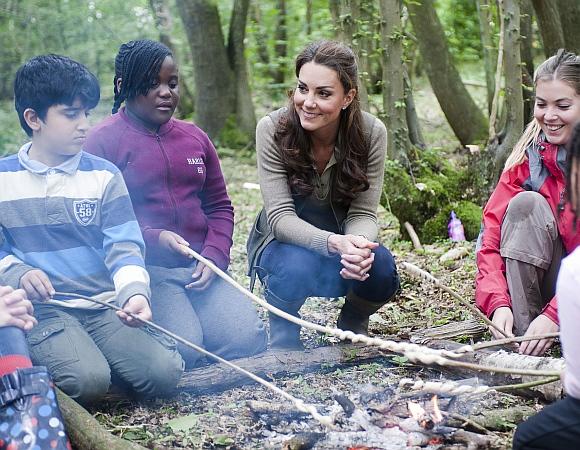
223 420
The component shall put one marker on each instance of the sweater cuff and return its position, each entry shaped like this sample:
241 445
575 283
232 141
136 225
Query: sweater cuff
320 243
551 311
216 256
132 289
151 236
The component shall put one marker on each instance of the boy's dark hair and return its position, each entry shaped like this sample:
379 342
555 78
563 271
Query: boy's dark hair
137 65
48 80
573 176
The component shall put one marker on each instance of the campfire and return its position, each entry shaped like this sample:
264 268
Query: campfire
388 421
426 420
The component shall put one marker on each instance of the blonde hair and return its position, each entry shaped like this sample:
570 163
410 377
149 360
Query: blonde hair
564 66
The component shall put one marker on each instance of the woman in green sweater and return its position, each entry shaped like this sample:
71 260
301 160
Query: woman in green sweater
321 164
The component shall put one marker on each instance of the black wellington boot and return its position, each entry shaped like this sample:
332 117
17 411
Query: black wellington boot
29 414
283 333
355 313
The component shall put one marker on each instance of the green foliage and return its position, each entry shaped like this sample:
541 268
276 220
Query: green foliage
231 136
434 184
461 24
12 136
468 212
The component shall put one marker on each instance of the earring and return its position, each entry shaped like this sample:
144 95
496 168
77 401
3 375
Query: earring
344 107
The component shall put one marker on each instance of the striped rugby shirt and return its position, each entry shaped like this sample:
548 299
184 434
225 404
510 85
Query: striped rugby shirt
76 223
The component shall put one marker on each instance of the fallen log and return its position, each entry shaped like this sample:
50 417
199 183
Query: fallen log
217 377
85 432
471 329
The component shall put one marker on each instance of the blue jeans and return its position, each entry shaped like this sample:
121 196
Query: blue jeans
13 342
293 273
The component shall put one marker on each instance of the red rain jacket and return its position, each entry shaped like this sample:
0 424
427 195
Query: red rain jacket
542 172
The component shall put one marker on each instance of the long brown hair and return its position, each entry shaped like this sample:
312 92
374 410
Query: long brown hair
563 66
296 143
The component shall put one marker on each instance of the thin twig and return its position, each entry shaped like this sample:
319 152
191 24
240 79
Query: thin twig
300 405
499 342
423 274
509 387
467 421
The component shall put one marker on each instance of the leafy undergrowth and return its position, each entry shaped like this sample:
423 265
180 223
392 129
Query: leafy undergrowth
223 420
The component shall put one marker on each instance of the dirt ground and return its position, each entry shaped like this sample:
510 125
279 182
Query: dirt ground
224 420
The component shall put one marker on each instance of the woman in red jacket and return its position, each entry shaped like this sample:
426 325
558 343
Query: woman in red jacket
527 225
179 194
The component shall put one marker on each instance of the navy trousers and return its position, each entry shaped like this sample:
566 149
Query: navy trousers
293 273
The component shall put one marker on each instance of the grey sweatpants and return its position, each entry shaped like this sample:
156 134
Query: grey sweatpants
533 250
219 319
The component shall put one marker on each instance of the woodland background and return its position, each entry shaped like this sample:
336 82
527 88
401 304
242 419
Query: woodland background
471 60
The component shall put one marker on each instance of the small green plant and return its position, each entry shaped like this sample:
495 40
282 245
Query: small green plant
401 361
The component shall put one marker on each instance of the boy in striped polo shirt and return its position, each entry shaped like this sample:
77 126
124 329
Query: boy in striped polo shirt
68 226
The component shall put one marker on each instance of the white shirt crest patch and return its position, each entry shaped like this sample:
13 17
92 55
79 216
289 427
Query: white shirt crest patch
85 211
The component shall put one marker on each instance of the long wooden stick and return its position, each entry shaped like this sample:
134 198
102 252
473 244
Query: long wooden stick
299 404
510 340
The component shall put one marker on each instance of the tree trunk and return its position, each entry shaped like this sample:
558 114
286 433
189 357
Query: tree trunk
513 81
164 24
489 56
415 134
550 26
220 72
398 143
467 121
527 58
245 115
308 17
346 14
341 11
570 18
280 42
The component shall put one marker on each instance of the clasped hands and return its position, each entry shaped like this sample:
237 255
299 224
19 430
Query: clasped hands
503 317
37 286
356 255
202 275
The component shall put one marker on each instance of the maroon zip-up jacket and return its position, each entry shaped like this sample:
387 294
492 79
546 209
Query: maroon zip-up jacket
175 182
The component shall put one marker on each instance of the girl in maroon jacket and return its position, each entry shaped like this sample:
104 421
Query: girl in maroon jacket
178 191
527 225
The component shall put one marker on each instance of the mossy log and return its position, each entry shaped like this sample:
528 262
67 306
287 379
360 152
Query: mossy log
85 432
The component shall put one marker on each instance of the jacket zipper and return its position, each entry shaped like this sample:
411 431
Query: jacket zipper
167 184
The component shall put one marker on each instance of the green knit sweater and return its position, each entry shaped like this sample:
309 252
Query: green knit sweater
310 223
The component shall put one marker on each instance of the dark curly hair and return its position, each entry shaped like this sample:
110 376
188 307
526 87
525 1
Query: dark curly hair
137 65
296 143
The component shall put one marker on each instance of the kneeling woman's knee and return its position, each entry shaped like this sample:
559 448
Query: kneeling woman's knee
524 204
384 271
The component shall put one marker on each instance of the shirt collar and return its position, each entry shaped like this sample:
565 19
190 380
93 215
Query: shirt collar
68 167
